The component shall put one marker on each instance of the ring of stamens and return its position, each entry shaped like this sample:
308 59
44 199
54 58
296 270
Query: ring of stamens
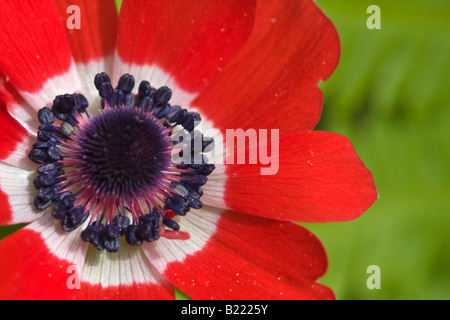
116 167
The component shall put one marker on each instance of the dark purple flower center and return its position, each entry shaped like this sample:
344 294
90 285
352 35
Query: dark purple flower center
122 151
116 167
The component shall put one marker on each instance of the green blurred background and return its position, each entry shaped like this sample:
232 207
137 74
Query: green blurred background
390 97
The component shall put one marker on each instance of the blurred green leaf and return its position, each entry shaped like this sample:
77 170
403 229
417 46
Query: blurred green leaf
390 96
118 4
7 230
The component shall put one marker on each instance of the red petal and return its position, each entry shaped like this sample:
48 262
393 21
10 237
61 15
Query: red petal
12 137
126 274
272 81
33 43
93 44
190 40
318 178
140 291
17 106
6 215
249 257
28 270
16 141
43 262
96 37
16 195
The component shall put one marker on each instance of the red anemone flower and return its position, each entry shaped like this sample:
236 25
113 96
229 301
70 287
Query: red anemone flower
110 215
